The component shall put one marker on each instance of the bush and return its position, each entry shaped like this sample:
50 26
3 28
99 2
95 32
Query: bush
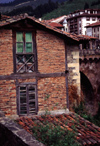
81 110
52 135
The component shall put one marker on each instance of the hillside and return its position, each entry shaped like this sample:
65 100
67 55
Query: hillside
33 7
71 6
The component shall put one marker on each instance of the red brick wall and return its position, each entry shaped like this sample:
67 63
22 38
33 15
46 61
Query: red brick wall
52 93
6 52
51 53
8 97
51 59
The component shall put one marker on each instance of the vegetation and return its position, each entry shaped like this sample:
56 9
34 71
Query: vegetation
54 136
70 6
48 9
81 110
39 11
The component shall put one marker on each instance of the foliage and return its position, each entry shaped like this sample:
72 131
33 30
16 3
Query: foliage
37 12
95 3
81 110
69 7
52 135
86 6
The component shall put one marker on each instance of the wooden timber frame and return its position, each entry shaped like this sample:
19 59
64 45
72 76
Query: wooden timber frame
24 26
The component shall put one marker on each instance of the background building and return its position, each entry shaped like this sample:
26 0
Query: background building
81 18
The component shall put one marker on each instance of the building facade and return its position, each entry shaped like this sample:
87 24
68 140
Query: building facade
35 59
81 18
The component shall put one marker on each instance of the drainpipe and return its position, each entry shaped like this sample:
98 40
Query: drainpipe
66 77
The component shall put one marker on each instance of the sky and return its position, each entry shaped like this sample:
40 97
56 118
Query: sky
5 1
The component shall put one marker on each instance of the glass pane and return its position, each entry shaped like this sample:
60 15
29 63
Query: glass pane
19 47
28 37
29 58
20 59
28 47
19 37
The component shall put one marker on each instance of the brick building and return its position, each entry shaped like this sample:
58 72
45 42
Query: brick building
34 64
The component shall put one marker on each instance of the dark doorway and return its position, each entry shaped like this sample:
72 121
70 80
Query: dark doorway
87 93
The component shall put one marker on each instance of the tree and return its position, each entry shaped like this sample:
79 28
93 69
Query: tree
86 6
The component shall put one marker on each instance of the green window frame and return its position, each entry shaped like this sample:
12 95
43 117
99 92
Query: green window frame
25 52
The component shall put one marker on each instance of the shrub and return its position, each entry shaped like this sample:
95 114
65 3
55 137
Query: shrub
52 135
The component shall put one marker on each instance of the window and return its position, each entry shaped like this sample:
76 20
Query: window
80 32
93 19
25 52
88 18
27 99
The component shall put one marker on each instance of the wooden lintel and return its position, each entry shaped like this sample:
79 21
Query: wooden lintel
33 75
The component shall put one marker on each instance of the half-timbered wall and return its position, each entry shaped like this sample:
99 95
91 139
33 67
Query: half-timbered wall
49 80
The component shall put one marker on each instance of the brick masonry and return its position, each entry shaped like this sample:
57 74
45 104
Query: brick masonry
6 52
51 59
52 93
51 53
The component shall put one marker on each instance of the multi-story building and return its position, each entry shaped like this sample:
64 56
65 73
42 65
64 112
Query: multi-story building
81 18
94 30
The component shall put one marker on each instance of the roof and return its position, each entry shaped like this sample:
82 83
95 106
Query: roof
98 10
82 37
83 15
14 19
86 132
54 24
59 19
93 24
17 18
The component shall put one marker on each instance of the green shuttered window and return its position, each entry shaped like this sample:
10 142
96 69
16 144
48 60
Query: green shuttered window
25 53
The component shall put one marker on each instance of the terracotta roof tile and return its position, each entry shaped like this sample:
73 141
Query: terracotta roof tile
93 24
86 132
13 19
54 24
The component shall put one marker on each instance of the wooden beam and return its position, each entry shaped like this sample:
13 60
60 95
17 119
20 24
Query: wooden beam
32 75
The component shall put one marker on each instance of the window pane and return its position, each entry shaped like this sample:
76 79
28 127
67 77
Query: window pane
28 47
29 58
28 37
20 59
19 47
19 37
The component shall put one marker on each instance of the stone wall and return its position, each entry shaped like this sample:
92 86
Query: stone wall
73 66
74 75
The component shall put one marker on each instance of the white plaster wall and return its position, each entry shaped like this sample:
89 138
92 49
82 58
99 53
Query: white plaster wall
89 31
84 23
